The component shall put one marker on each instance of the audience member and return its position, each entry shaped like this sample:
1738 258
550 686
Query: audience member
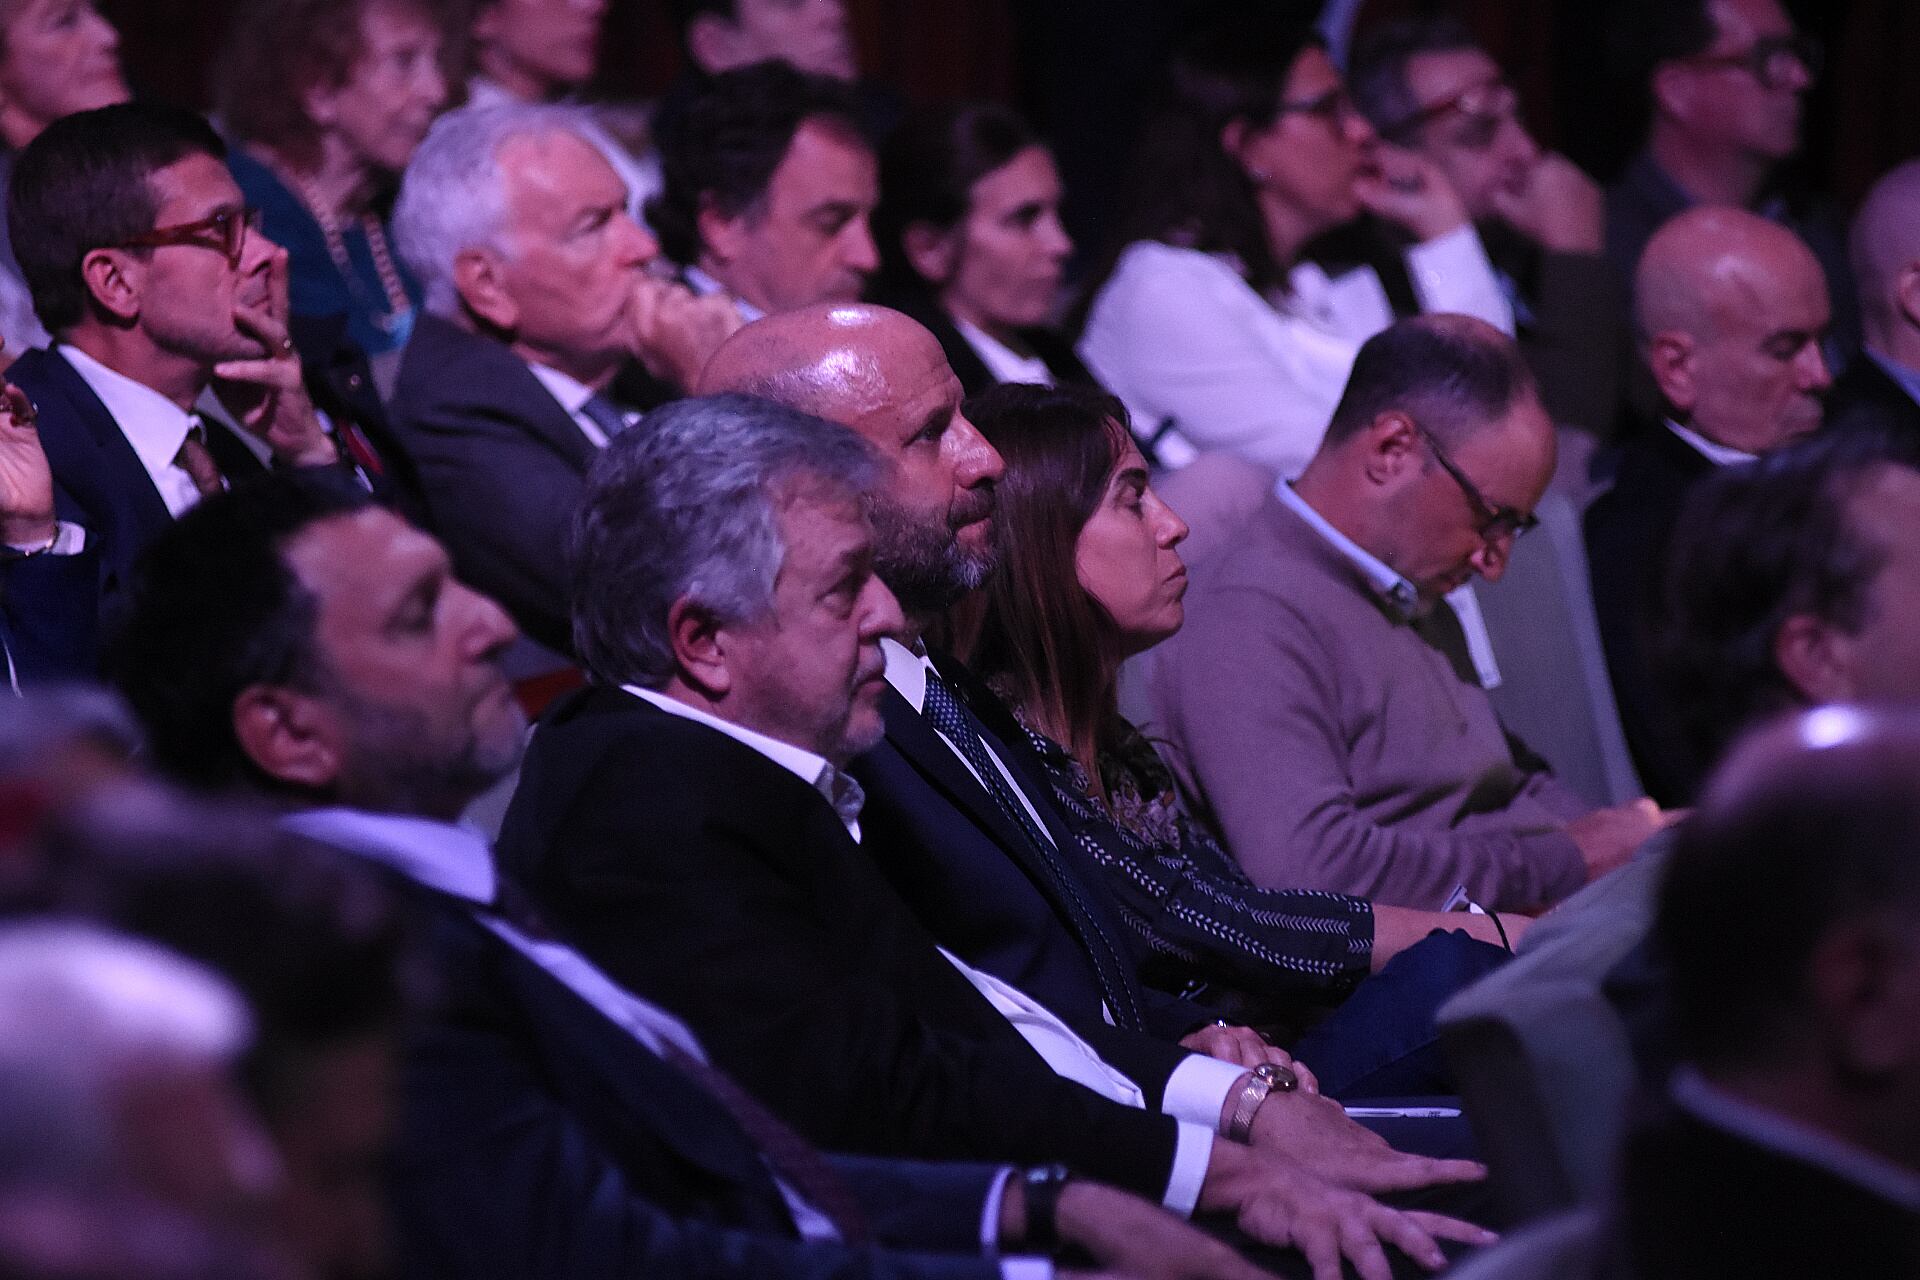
532 50
769 185
1214 323
971 244
346 675
1725 83
808 35
1427 84
1091 575
1882 388
537 293
1360 754
144 265
328 99
1731 314
56 57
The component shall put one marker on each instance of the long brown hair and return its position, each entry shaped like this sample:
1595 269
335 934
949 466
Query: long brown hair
1039 631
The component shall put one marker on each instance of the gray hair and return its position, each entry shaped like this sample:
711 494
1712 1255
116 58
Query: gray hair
83 1012
686 505
453 194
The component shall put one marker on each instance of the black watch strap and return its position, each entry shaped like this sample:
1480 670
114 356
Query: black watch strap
1043 1185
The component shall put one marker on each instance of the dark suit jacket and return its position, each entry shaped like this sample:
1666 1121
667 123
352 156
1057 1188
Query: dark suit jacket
1866 398
1053 349
539 1139
1572 327
1627 532
700 873
967 870
502 466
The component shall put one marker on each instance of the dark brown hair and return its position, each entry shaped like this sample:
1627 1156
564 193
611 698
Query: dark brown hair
1040 631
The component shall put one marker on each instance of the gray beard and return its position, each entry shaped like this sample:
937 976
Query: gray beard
925 568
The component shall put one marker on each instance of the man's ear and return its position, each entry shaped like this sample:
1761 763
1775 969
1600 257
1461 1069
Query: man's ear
1906 294
1816 658
479 277
288 735
699 647
1392 447
931 252
1861 976
1670 360
720 235
114 278
1673 89
713 43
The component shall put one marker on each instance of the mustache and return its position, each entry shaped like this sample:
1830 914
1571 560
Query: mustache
973 505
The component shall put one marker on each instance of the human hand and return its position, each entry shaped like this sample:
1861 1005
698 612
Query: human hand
26 481
1245 1047
1275 1200
1558 206
1318 1134
1406 188
1607 838
267 393
675 333
1126 1236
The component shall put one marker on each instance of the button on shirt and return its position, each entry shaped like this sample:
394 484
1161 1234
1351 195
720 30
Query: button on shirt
155 426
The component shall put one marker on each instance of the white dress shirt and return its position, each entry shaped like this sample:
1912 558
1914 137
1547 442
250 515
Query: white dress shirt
155 426
1718 454
1180 335
1002 361
1197 1090
573 395
706 286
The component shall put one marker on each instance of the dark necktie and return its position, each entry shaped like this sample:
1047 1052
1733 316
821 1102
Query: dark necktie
946 714
790 1157
604 414
197 461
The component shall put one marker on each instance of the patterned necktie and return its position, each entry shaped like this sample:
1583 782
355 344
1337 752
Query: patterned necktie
197 461
945 713
604 414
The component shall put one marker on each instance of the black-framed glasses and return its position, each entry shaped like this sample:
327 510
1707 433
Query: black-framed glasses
1497 521
224 231
1335 106
1484 105
1772 60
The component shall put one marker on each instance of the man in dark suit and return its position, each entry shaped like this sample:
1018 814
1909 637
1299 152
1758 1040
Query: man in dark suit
1732 311
137 248
554 1123
537 296
1882 388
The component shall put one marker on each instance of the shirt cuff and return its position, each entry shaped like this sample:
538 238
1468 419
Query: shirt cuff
1198 1090
990 1214
1453 273
69 539
1192 1152
1026 1269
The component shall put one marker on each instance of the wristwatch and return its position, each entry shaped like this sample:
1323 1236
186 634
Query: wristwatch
1267 1078
1043 1184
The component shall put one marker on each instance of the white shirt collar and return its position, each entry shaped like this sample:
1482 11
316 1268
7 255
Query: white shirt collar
155 426
839 790
569 391
1718 454
440 855
704 284
1003 361
1395 589
1789 1137
907 672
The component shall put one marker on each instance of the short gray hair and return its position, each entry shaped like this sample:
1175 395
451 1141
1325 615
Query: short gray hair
453 194
685 504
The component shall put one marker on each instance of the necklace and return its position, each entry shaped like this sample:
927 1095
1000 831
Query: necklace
399 307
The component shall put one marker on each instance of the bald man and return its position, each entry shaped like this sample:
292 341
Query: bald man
1883 388
1731 311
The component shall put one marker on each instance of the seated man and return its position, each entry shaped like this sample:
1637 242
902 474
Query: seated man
537 295
769 187
1426 84
1882 387
1359 754
1731 313
344 673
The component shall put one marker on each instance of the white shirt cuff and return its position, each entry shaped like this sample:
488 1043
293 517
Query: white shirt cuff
1453 273
1198 1090
69 539
1192 1151
1026 1269
990 1214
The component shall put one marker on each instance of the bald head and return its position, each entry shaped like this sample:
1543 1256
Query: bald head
1732 310
1885 249
885 376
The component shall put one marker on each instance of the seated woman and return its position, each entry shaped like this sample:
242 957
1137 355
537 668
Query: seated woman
326 100
1091 574
1229 315
971 244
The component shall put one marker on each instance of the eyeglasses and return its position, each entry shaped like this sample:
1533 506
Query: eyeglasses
1497 522
1335 106
224 231
1771 60
1485 106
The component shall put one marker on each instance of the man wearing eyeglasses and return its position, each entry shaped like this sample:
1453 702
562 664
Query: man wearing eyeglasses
139 253
1726 82
1322 713
1427 85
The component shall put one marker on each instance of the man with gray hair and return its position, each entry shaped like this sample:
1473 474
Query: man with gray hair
538 293
1883 387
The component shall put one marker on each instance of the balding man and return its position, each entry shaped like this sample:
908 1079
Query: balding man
1731 311
1883 387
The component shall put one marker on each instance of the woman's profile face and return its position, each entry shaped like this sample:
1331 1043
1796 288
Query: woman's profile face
1127 557
1311 157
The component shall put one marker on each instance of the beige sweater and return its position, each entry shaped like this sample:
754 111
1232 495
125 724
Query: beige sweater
1331 746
